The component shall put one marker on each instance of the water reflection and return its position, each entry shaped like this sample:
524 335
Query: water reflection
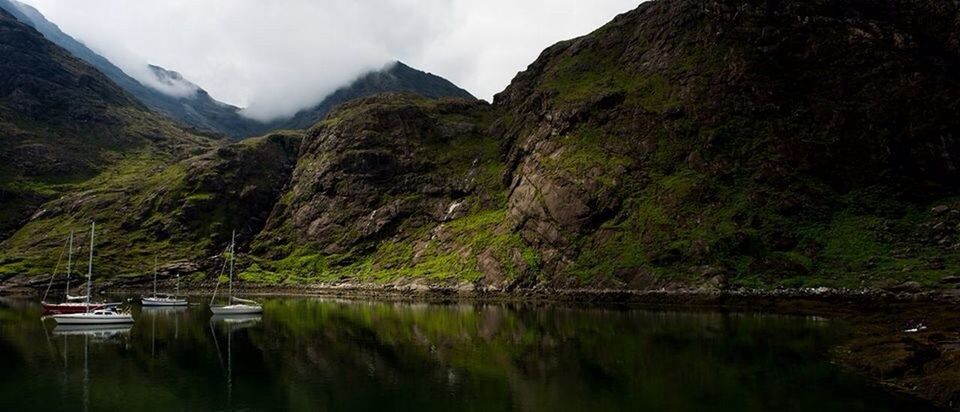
309 354
231 323
98 332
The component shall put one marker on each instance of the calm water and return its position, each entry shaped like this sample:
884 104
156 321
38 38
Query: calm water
323 354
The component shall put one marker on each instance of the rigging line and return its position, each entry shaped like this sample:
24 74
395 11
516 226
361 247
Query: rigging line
217 287
55 270
215 343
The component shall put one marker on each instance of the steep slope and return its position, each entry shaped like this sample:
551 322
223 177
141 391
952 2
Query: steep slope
179 211
395 78
64 127
195 109
62 122
758 143
390 187
685 144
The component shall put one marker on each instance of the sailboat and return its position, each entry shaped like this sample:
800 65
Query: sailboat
235 305
71 304
101 316
164 300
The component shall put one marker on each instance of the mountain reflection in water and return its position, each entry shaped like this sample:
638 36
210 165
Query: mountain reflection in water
328 354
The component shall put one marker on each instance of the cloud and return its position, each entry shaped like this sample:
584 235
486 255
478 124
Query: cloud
277 57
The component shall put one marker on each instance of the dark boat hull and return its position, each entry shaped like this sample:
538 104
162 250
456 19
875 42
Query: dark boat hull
66 308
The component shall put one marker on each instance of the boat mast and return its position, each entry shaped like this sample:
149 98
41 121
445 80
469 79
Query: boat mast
154 275
233 252
93 226
177 293
69 264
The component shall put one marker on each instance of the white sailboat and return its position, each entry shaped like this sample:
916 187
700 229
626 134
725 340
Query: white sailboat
235 305
163 300
71 304
98 316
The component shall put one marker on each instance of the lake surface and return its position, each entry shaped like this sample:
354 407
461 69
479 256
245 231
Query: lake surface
310 354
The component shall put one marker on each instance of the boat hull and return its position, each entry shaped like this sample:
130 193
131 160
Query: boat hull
92 319
67 308
93 330
236 310
163 302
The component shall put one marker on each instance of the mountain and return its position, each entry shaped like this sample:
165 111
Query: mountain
684 145
193 106
65 127
762 144
394 78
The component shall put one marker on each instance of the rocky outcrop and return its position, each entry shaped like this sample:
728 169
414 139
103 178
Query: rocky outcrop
230 188
686 133
377 167
181 211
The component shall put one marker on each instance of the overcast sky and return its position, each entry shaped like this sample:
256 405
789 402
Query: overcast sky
275 57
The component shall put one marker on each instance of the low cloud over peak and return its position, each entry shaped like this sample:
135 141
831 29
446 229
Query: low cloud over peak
275 58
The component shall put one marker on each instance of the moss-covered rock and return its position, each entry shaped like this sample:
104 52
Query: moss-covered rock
787 144
394 187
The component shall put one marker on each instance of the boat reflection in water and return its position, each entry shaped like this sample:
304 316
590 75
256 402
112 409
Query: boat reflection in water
98 332
154 312
232 324
89 333
236 322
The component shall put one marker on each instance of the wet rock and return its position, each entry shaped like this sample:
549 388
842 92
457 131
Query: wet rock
940 209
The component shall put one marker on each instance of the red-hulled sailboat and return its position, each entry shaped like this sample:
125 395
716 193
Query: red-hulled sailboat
71 304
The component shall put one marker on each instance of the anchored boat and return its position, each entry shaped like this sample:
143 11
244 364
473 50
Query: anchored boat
162 300
235 305
97 317
102 316
71 304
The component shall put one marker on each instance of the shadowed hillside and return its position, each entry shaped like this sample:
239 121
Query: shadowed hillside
63 122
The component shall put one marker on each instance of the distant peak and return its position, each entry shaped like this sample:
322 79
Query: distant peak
161 72
170 82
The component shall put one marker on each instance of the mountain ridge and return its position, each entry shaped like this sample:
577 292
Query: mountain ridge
193 106
395 77
199 111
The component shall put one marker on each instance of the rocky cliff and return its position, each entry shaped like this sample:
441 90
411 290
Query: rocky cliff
753 142
686 144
